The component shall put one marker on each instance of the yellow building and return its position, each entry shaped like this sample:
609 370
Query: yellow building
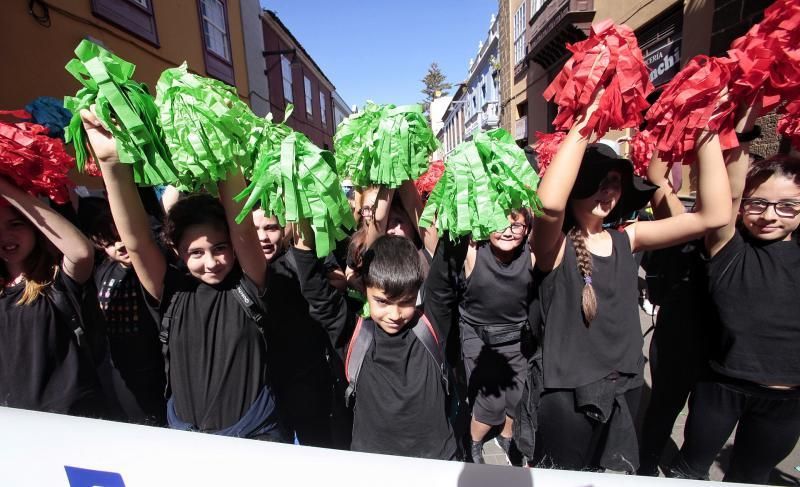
153 35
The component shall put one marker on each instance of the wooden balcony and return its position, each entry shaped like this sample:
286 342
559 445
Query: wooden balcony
554 25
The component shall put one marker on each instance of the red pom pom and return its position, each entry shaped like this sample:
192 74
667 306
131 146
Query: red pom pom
789 127
610 58
691 102
546 147
429 178
642 148
33 161
768 56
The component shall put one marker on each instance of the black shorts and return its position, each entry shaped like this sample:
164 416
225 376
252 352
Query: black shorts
495 375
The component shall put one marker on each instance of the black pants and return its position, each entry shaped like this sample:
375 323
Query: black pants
768 429
678 355
305 406
567 439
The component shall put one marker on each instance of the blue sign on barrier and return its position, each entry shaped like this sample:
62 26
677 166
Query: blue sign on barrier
83 477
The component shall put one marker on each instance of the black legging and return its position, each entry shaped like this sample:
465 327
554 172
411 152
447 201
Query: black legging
768 429
567 439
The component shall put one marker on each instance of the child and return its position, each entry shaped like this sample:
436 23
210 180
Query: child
217 355
592 347
41 364
754 385
498 290
400 399
132 332
297 361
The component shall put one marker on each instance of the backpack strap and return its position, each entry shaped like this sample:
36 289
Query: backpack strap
426 334
69 312
163 335
251 307
363 336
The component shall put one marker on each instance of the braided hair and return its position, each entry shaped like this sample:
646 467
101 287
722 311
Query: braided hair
584 258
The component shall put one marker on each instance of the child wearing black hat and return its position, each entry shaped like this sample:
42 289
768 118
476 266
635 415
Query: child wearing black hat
592 347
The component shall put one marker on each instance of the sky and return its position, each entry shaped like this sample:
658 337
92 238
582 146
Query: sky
380 50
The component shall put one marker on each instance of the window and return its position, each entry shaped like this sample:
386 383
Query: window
309 98
536 5
323 111
216 39
133 16
214 28
286 72
520 47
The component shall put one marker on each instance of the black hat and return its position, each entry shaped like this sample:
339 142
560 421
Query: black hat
598 161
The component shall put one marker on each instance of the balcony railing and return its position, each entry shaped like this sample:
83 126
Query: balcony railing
555 24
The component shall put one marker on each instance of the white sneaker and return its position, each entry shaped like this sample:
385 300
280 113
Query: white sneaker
648 307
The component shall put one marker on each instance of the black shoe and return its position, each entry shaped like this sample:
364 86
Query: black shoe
476 452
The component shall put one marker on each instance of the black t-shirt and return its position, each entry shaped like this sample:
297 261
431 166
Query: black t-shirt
400 407
755 287
132 332
41 366
217 354
296 341
575 354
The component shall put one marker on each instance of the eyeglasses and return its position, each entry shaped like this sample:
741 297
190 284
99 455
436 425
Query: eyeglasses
516 228
365 211
783 208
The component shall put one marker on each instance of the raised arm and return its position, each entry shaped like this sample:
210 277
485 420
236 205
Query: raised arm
126 208
554 191
664 201
326 305
380 215
713 205
738 161
77 250
243 236
441 295
413 205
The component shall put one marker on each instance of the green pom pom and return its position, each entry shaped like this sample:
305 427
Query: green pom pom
483 180
124 107
207 128
295 180
384 145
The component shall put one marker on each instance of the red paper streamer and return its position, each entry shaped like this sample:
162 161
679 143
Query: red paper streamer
429 178
609 59
32 160
546 147
693 101
768 57
642 147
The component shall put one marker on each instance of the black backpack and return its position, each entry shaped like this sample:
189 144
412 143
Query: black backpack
363 338
83 317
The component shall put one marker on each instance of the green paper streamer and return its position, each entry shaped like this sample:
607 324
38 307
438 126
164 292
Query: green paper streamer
124 107
483 180
384 145
295 180
207 128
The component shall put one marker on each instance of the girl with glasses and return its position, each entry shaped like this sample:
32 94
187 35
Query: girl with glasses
754 382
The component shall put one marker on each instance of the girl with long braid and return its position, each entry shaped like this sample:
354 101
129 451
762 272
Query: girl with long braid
592 345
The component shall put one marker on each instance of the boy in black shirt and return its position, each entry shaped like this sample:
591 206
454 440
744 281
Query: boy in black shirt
132 333
400 404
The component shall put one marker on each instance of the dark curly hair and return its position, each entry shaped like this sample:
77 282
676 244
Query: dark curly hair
199 209
760 171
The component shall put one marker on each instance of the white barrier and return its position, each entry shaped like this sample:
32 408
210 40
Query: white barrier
39 449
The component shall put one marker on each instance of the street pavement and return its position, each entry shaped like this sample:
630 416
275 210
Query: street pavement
787 473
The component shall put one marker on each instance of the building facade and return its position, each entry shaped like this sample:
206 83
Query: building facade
153 35
670 33
482 86
452 132
513 18
293 76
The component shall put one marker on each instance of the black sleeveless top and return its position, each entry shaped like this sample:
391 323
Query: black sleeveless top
496 293
573 354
